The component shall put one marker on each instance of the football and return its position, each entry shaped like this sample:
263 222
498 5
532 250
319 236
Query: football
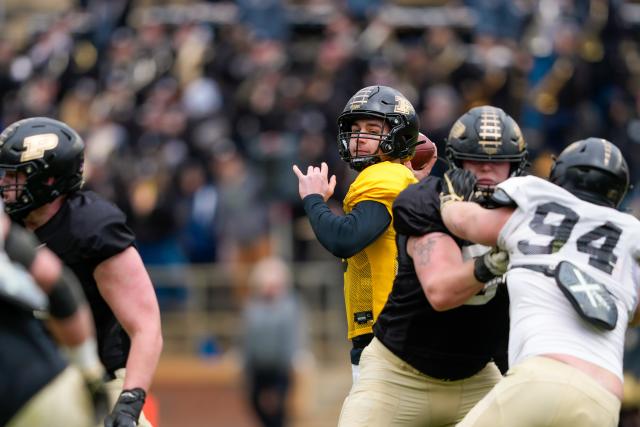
425 151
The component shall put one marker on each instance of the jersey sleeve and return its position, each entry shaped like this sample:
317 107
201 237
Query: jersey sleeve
416 210
103 232
344 236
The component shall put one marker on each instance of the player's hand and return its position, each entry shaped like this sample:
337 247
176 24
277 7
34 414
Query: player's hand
458 186
316 181
127 409
419 173
492 264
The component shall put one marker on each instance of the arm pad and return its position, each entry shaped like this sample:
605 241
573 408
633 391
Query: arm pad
66 295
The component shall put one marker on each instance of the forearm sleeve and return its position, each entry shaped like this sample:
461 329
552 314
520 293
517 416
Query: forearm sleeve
345 236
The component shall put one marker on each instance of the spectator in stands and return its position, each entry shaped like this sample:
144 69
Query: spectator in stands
272 337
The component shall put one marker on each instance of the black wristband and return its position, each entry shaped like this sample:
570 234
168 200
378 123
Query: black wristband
480 270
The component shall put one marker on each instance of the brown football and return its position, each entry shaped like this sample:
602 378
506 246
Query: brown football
424 152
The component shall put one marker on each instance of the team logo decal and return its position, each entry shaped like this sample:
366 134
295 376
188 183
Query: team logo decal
607 151
490 131
457 130
361 98
571 147
517 133
403 106
36 145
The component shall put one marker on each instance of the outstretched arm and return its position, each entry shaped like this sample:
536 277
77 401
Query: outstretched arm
472 222
446 279
467 220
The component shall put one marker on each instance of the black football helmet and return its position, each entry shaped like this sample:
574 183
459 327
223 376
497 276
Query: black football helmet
487 134
50 155
594 170
387 104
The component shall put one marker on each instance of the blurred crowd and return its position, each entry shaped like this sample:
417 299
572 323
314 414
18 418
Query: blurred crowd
194 113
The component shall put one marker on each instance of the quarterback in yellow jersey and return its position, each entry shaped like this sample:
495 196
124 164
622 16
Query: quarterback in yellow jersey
378 132
369 274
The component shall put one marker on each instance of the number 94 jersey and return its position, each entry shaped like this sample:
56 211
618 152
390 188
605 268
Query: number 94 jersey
552 225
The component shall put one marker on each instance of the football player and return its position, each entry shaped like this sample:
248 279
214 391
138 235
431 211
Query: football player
378 131
444 321
37 386
573 285
42 162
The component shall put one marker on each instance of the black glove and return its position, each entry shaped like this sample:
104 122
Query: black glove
127 409
490 265
458 186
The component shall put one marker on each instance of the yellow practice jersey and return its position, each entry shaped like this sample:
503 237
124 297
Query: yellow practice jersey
369 274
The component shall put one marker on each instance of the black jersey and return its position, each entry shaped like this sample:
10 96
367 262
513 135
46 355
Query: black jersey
86 231
452 344
29 359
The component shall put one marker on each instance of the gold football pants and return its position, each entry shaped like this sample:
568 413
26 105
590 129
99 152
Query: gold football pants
390 392
544 392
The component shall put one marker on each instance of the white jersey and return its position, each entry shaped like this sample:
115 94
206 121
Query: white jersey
552 225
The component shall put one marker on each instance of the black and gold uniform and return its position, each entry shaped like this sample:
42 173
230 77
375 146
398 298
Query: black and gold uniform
411 329
84 232
42 160
426 366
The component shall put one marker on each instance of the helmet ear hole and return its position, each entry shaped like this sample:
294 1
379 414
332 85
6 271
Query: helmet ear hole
386 147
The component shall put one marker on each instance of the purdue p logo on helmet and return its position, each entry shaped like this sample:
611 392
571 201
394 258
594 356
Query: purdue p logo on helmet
48 153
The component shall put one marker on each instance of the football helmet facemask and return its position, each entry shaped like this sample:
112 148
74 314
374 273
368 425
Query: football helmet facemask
388 105
594 170
50 157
